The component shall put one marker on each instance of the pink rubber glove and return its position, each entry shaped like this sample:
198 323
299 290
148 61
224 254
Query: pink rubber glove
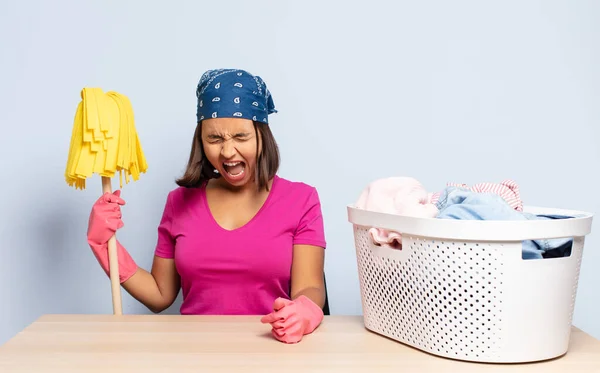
291 320
105 219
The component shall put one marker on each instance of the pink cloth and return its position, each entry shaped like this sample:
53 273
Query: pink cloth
399 196
507 189
239 272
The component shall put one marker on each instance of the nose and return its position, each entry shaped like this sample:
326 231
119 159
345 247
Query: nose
228 149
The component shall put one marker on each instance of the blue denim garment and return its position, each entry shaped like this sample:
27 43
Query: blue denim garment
463 204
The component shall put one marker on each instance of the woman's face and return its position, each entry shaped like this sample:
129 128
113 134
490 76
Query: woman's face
230 146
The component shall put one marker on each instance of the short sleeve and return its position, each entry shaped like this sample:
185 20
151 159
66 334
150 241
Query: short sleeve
165 246
310 230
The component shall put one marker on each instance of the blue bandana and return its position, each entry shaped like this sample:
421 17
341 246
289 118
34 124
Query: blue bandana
233 93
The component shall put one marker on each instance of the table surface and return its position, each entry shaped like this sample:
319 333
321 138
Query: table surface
175 343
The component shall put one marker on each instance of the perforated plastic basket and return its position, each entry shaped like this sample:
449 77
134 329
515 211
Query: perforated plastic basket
460 288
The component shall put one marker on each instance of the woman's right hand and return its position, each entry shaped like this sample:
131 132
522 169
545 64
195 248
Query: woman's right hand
104 221
105 218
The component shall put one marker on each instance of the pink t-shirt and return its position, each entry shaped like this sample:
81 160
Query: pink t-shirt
238 272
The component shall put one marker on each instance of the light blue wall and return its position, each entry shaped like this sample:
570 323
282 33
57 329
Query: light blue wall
461 91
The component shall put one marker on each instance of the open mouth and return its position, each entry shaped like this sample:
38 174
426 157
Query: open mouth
234 169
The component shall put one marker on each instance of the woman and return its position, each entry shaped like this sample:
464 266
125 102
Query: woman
234 236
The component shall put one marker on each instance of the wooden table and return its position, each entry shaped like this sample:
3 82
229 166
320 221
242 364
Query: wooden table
168 343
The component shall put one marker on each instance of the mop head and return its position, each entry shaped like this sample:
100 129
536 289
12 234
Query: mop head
104 140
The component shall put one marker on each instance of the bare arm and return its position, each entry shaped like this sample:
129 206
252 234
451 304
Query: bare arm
157 289
307 273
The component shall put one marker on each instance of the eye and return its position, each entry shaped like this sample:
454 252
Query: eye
213 139
242 136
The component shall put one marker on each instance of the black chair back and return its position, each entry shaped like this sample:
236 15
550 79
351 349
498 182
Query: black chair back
326 310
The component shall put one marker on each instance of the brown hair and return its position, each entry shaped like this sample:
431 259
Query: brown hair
199 170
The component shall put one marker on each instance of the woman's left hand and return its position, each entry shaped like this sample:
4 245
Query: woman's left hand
292 319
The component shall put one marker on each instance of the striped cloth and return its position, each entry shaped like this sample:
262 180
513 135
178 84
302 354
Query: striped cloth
507 189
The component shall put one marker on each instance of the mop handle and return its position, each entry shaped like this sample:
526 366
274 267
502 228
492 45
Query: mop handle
113 260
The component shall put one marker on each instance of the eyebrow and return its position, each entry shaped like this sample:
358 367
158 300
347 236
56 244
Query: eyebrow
239 134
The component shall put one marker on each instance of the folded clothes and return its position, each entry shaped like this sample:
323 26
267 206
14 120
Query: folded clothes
395 195
507 189
483 201
463 204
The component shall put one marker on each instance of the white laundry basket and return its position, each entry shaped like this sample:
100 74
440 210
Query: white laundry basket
460 289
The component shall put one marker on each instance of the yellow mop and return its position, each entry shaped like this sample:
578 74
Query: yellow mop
104 141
